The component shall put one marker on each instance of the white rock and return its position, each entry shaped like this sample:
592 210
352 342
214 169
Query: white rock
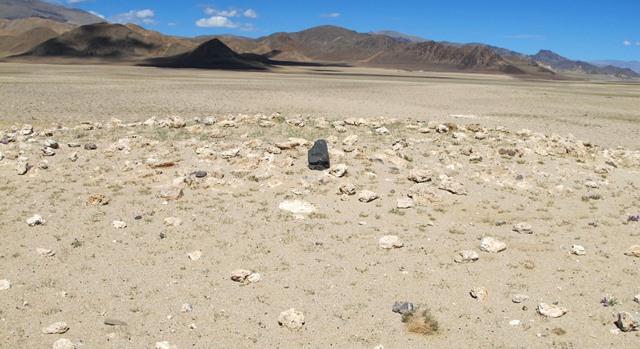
186 307
519 298
36 219
63 343
291 319
492 245
442 128
523 228
578 250
367 196
453 186
405 203
514 322
627 322
56 328
459 135
172 222
637 298
254 277
119 224
551 310
5 284
347 189
165 345
633 251
480 136
195 255
420 175
479 293
297 206
350 140
390 241
240 275
591 184
466 256
382 130
338 170
45 252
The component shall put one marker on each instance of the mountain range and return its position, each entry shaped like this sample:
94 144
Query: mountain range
35 30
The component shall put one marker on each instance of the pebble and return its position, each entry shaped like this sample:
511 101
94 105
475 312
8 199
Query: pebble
633 251
442 128
405 203
382 130
73 156
22 168
297 206
367 196
291 319
5 284
479 293
172 222
119 224
338 170
578 250
47 151
165 345
480 136
200 174
63 343
453 186
195 255
514 322
172 193
254 277
90 146
637 298
591 184
36 219
519 298
523 228
56 328
492 245
627 322
240 275
551 310
466 256
45 252
348 189
186 307
390 241
420 175
50 143
114 322
402 307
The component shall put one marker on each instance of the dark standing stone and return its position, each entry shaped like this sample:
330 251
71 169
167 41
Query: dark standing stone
319 156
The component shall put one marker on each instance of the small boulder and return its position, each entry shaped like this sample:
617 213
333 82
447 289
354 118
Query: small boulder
420 175
492 245
466 256
479 293
390 241
339 170
367 196
519 298
627 322
578 250
551 310
36 219
291 319
633 251
56 328
523 228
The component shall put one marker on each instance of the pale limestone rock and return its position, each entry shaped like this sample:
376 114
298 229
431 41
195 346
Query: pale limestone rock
479 293
5 284
63 343
367 196
491 245
172 222
578 250
56 328
519 298
195 255
420 175
119 224
453 186
627 322
45 252
297 206
466 256
338 170
551 310
291 319
390 241
240 275
633 251
523 228
36 219
404 203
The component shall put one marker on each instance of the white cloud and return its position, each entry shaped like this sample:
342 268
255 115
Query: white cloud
135 16
221 13
250 13
626 43
216 22
75 1
330 15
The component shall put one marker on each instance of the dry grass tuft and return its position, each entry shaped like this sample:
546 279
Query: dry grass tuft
423 323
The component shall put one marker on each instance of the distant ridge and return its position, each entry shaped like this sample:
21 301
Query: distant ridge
633 65
406 38
16 9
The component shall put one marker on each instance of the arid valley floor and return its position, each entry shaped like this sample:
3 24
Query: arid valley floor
154 185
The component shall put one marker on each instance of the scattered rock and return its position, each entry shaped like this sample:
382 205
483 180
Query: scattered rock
338 170
479 293
172 222
63 343
200 174
73 157
442 128
297 206
195 255
240 275
347 189
514 323
56 328
551 310
5 284
382 130
90 146
519 298
492 245
45 252
47 151
627 322
480 136
466 256
318 158
633 251
404 203
420 175
367 196
114 322
523 228
172 193
186 307
402 307
165 345
453 186
155 163
578 250
637 298
97 200
119 224
291 319
22 168
36 219
390 241
254 277
423 194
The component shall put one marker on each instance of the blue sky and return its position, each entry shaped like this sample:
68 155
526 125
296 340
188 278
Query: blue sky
585 29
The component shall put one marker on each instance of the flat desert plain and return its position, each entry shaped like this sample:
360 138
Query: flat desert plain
151 208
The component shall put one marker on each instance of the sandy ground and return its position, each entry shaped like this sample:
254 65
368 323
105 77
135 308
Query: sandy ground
562 157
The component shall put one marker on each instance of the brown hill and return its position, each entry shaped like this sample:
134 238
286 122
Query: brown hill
13 45
110 41
335 44
212 54
14 27
15 9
